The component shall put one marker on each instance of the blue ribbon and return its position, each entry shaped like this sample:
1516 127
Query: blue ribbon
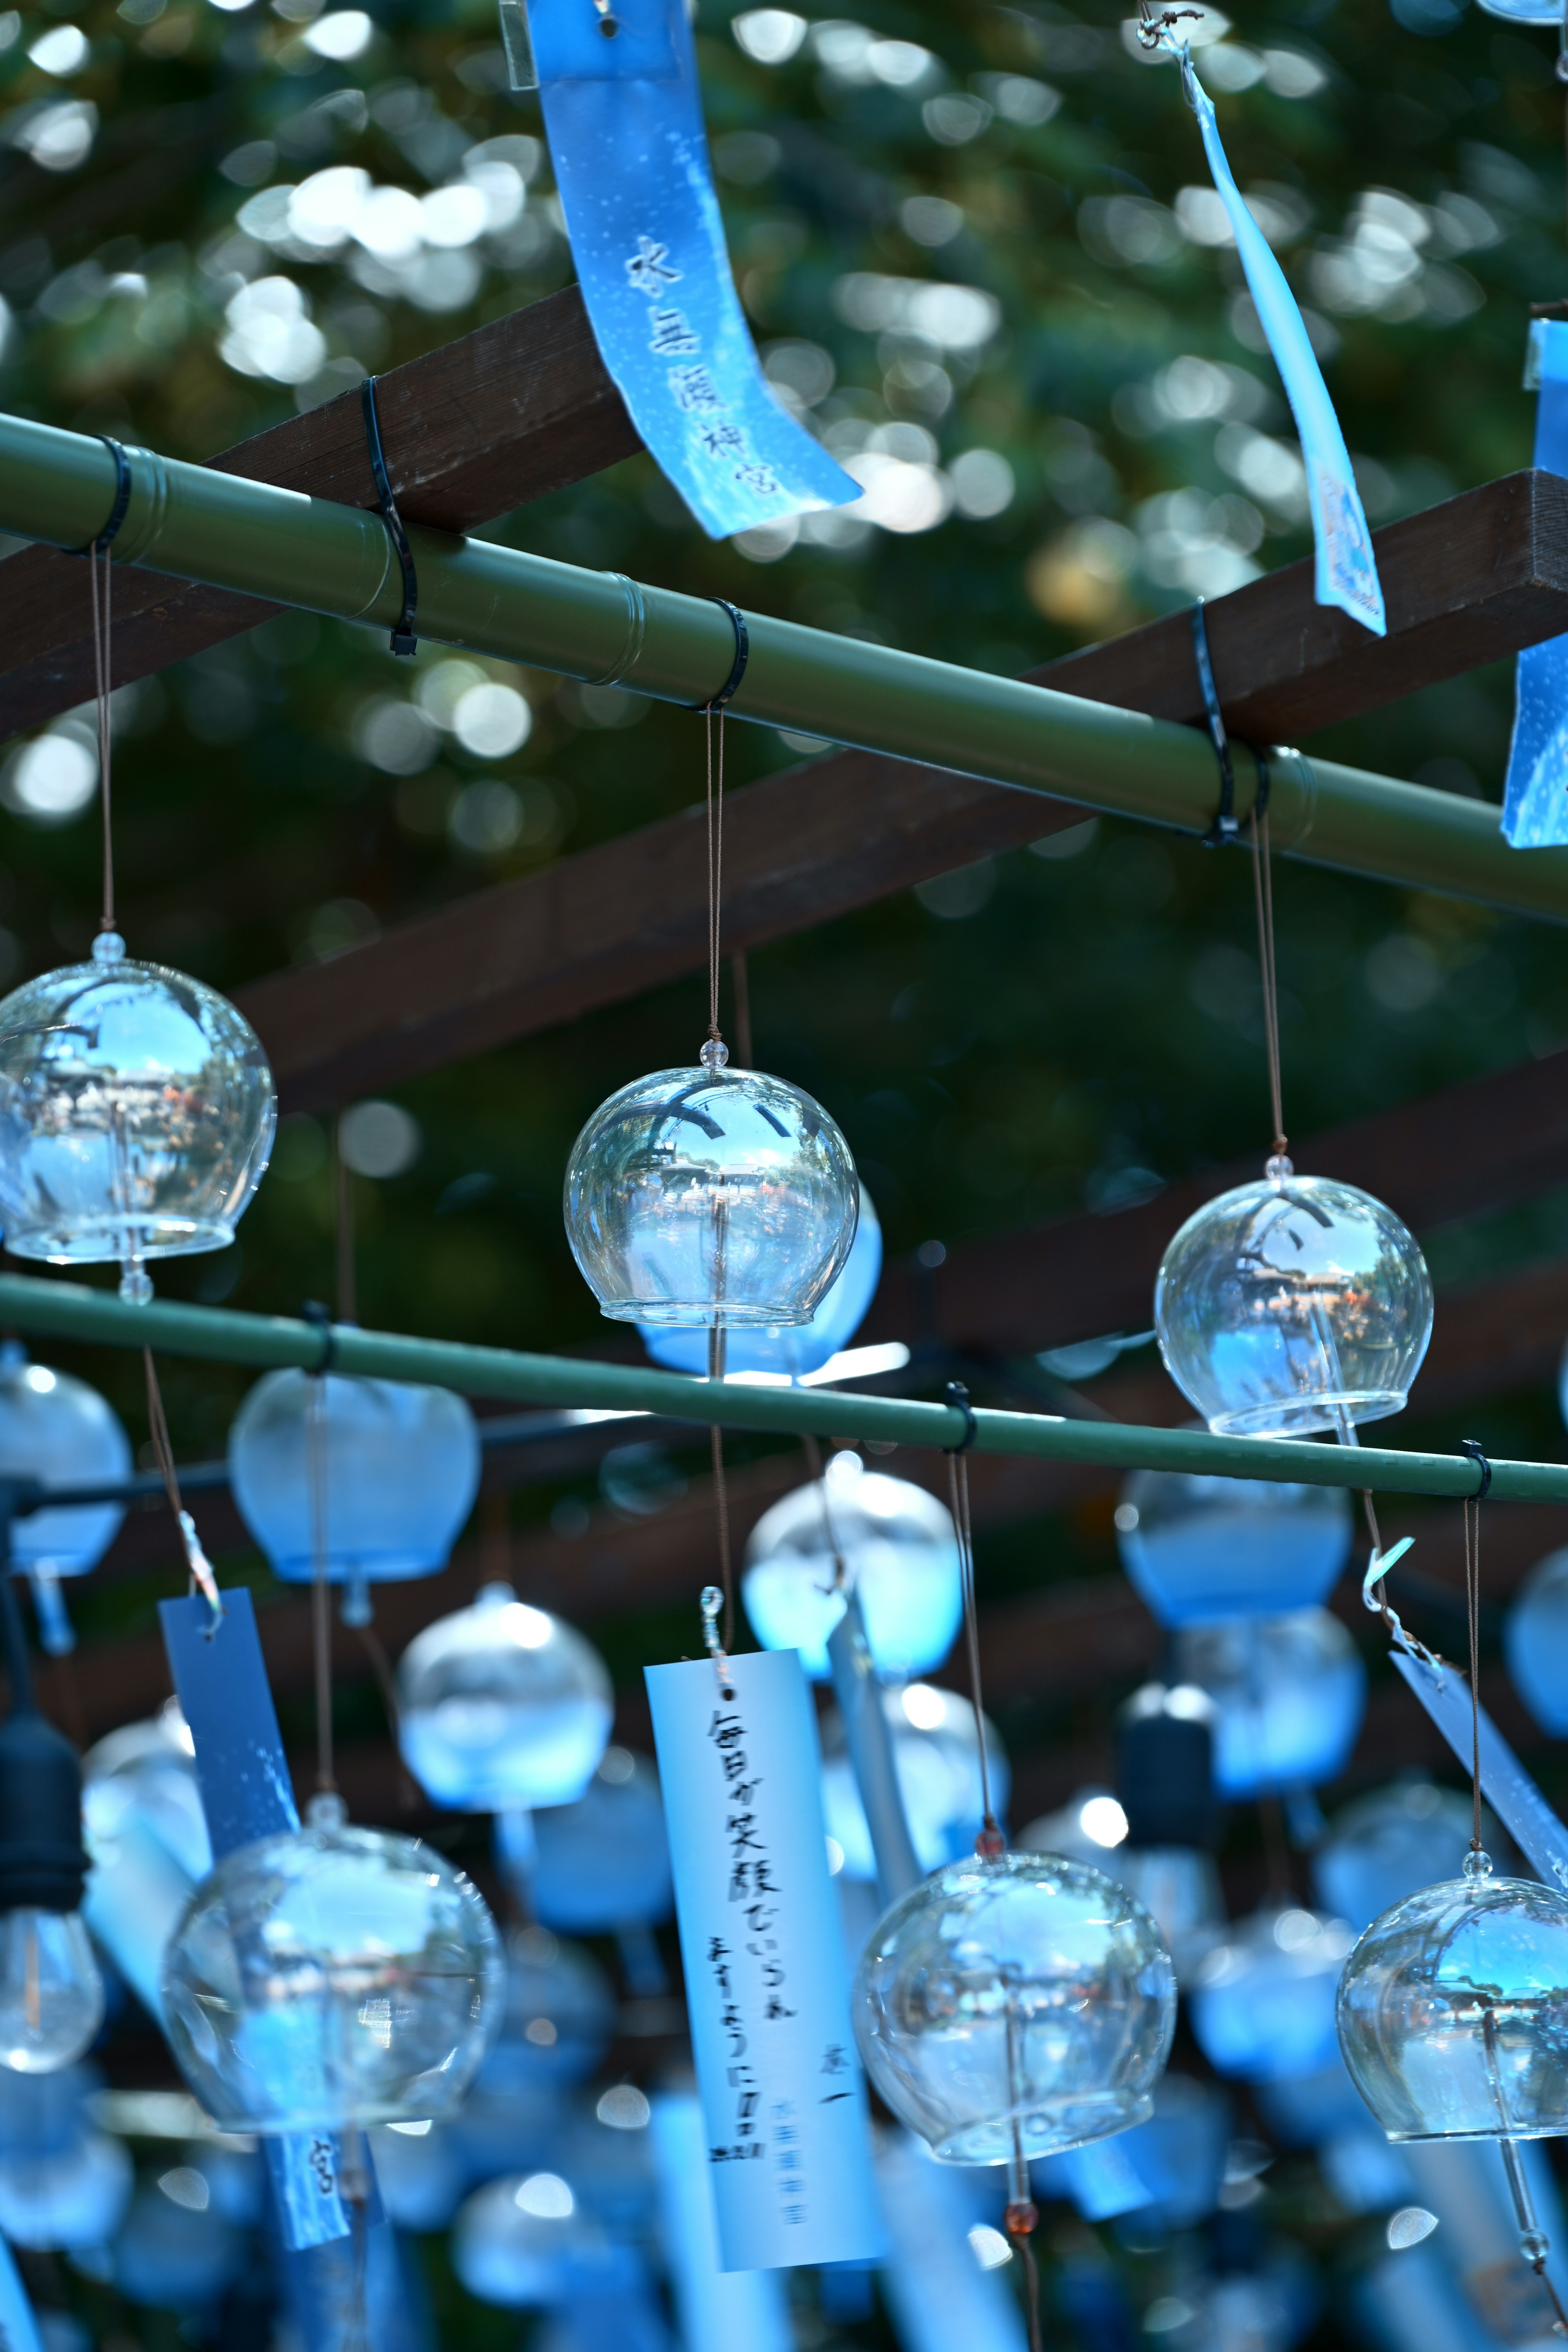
1535 799
220 1678
1347 571
622 113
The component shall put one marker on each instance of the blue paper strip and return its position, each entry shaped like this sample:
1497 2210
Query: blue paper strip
18 2327
346 2298
1504 1784
1535 798
624 118
220 1678
1347 571
788 2148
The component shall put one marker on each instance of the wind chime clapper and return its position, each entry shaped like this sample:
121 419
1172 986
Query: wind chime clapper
51 1994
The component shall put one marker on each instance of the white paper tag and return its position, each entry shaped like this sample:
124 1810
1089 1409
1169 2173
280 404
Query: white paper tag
1504 1784
784 2100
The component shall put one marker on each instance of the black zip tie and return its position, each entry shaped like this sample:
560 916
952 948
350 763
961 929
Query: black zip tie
403 640
319 1319
731 685
1472 1447
1226 826
956 1395
106 536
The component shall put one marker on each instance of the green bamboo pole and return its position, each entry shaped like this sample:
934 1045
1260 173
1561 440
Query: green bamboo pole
61 1310
260 540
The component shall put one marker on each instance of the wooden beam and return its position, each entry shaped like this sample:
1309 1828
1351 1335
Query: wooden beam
1475 578
517 409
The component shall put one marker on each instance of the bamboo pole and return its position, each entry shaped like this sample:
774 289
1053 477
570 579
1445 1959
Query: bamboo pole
260 540
62 1310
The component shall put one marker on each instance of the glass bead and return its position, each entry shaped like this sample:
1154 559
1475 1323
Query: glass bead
1290 1693
711 1197
136 1114
790 1351
900 1552
1197 1549
713 1054
602 1863
1283 1307
400 1471
1391 1845
1535 1644
330 1976
1453 2011
937 1758
502 1706
1263 1999
1024 2002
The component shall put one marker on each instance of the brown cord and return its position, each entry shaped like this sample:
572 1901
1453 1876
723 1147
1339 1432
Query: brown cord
1263 899
320 1591
813 1453
1390 1621
1472 1507
990 1842
715 865
721 1492
201 1575
104 677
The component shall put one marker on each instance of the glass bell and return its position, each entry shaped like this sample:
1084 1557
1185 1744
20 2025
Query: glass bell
797 1348
558 2014
1293 1304
329 1977
136 1115
937 1758
900 1552
146 1773
1453 2010
502 1706
1535 1644
402 1469
1290 1693
603 1863
526 2243
55 1428
718 1197
1263 1999
1197 1550
1390 1844
1013 2006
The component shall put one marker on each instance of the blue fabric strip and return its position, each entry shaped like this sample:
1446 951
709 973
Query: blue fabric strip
1347 571
1535 798
220 1678
622 113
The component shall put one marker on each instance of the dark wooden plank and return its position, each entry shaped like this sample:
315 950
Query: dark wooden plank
528 955
1484 1145
1468 581
517 409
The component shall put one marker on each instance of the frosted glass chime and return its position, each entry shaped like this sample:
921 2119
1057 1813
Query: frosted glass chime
54 1428
1290 1693
1263 1999
600 1866
721 1198
502 1707
899 1550
937 1757
1293 1304
1165 1790
378 1476
1391 1845
176 2251
64 2185
1535 1644
1201 1549
789 1352
331 1976
136 1116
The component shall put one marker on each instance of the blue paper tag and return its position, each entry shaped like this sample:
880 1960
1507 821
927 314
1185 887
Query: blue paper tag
1535 798
1504 1784
788 2152
220 1678
18 2327
1347 571
624 117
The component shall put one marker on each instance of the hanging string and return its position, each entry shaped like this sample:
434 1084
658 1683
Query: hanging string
100 659
813 1453
196 1561
1263 899
715 863
990 1842
320 1591
1471 1508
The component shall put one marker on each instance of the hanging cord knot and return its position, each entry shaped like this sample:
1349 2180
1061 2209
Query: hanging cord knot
1472 1447
956 1395
403 640
203 1581
319 1319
